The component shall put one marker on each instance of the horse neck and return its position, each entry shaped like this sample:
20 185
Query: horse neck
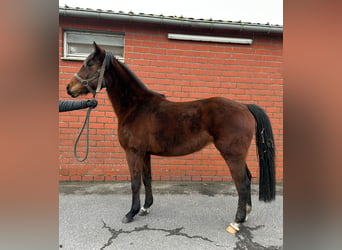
125 90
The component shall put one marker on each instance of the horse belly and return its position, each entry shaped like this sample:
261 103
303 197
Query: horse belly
177 146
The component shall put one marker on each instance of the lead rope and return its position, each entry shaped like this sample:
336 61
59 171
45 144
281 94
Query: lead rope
86 121
85 124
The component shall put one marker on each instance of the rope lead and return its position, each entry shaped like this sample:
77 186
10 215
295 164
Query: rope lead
85 124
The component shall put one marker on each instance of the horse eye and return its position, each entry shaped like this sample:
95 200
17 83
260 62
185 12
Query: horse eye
90 63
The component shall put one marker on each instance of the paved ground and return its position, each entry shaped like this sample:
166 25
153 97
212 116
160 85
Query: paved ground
185 215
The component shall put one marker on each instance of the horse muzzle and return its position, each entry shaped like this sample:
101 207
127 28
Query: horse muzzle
71 93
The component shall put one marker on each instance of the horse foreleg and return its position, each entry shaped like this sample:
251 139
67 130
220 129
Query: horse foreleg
135 162
147 180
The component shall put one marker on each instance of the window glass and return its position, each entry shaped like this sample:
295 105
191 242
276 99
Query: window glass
78 44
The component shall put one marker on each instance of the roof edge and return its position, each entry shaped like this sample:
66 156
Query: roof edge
170 20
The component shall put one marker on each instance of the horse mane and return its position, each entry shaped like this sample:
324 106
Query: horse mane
135 78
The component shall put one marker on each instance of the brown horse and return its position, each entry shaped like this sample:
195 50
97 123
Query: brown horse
149 124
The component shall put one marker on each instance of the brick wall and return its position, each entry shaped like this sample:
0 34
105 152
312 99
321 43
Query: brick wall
182 71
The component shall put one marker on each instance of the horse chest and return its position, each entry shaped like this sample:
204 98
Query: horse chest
133 137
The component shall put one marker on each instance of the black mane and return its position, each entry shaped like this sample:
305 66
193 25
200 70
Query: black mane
135 78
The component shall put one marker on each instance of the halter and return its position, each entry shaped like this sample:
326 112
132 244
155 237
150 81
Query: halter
100 84
98 75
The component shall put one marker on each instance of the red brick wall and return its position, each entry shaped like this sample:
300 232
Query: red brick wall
182 71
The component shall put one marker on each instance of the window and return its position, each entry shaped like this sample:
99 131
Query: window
79 44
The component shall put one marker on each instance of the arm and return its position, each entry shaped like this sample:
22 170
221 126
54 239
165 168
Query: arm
75 105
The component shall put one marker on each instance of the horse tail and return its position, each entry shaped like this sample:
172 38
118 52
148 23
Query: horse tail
266 153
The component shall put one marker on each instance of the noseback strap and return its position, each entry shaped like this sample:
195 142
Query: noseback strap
99 74
85 83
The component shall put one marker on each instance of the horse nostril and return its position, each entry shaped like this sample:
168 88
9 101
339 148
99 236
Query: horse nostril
68 89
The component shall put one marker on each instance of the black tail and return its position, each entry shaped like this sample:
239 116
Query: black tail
266 153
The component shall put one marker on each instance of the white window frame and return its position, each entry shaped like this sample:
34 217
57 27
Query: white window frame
86 37
215 39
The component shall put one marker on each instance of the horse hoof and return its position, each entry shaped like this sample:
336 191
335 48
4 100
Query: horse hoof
126 220
233 228
144 212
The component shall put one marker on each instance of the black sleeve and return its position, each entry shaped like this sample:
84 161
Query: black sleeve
72 105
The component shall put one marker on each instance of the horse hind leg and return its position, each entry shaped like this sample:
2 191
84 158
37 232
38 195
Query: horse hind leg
249 198
147 180
242 183
242 180
235 156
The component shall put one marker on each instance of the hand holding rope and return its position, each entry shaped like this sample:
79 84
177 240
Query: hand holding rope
75 105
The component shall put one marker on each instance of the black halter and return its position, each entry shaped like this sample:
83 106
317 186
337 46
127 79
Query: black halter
98 75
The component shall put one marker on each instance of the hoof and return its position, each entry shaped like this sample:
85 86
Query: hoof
233 228
126 220
144 212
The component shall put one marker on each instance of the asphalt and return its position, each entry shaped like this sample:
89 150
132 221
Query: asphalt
185 215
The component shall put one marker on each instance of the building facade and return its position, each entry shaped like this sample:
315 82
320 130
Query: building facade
183 58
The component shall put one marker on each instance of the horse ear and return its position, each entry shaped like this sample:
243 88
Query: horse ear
98 50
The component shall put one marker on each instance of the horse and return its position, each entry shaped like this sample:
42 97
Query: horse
150 124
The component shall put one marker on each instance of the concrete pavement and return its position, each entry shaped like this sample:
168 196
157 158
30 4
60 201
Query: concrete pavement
185 215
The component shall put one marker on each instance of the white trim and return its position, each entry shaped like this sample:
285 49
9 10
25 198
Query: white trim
70 58
81 59
216 39
115 41
65 43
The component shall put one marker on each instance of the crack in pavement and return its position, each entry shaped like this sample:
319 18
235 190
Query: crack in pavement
245 237
171 232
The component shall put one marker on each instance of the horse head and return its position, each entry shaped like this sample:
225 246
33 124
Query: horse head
90 77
